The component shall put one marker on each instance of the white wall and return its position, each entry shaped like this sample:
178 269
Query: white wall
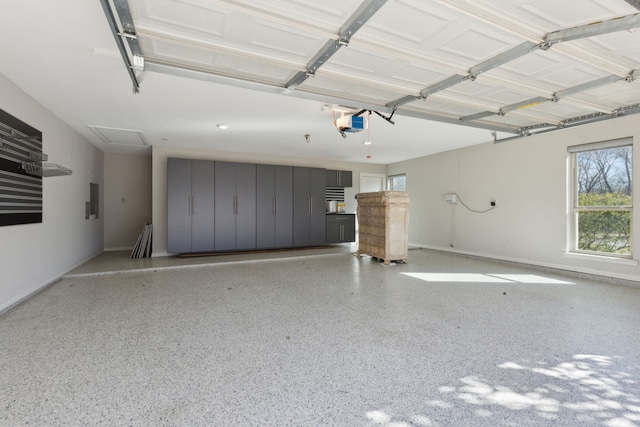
160 155
128 178
528 177
33 255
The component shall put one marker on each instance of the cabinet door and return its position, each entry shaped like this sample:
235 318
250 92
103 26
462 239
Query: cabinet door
333 231
331 178
335 178
202 219
317 215
245 226
225 206
301 206
178 205
284 207
274 213
349 231
265 206
345 179
341 228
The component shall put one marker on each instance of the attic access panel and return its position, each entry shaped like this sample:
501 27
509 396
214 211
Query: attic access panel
380 55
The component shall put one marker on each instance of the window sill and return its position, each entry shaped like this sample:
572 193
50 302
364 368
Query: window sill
600 258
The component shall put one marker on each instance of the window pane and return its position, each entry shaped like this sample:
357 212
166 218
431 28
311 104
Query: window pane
604 177
605 231
398 183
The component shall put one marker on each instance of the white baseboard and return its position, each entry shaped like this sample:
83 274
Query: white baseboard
6 305
127 248
570 268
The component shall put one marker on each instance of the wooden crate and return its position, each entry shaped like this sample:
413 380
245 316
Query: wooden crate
383 225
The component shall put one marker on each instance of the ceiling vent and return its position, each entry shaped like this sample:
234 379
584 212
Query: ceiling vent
115 136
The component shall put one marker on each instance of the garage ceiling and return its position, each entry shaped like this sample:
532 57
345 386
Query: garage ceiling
518 67
448 73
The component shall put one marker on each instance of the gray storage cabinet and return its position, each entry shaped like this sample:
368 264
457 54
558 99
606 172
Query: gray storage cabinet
190 210
274 214
309 222
235 206
336 178
225 206
341 228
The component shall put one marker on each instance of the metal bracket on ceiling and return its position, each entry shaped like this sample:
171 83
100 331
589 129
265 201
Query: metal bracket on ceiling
128 36
554 98
629 109
126 40
575 121
633 75
545 46
585 86
424 93
402 101
528 103
344 40
502 58
128 28
594 29
366 10
496 61
477 116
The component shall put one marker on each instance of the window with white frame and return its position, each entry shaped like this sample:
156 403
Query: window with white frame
602 202
397 182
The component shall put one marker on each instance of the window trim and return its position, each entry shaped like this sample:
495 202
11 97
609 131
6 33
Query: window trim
574 209
390 178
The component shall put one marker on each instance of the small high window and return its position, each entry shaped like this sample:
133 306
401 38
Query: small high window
397 182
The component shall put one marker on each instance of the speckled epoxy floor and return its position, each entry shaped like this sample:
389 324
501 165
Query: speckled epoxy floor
322 340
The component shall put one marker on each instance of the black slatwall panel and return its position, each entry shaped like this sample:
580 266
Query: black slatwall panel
20 193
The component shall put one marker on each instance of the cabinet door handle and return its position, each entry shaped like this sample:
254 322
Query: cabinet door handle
341 232
191 204
235 205
275 205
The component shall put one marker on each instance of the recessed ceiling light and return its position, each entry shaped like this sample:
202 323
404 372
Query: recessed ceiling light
367 142
222 126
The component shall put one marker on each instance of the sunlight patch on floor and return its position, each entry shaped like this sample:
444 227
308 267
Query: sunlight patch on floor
486 278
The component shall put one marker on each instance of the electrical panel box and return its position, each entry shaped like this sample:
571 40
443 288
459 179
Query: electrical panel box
451 198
